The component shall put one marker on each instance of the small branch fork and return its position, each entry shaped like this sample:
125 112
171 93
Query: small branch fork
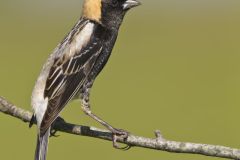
158 143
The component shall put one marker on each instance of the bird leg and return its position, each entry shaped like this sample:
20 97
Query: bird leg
117 133
53 132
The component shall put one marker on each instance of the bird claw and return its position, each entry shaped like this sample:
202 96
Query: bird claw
120 134
53 133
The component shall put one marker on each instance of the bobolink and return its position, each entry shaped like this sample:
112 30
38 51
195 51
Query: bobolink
71 69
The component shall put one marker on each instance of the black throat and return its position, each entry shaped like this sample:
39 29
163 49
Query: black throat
107 37
111 18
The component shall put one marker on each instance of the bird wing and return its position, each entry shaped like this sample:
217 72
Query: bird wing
65 78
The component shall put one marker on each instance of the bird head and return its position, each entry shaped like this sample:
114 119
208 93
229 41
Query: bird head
109 13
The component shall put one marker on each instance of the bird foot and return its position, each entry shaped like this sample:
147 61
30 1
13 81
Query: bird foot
54 131
117 135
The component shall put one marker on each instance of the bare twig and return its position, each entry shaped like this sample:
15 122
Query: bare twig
158 143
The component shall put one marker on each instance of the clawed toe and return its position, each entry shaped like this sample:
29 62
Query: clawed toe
53 133
120 134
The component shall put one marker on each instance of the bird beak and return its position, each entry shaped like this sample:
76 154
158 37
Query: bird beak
130 4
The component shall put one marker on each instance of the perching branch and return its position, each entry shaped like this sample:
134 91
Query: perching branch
158 143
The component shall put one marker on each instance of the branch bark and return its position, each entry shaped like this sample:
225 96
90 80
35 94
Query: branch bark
158 143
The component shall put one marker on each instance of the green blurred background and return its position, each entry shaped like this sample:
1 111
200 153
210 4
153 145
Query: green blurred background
175 67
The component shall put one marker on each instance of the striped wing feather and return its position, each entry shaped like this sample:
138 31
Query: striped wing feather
65 79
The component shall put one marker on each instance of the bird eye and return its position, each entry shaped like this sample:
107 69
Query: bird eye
114 3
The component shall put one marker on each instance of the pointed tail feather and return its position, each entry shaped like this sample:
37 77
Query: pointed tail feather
42 146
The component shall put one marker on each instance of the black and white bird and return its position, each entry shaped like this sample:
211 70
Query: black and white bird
71 69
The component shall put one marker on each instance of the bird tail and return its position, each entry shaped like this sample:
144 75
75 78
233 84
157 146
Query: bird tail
42 146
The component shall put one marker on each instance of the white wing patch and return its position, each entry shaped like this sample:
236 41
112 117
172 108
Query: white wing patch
80 40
